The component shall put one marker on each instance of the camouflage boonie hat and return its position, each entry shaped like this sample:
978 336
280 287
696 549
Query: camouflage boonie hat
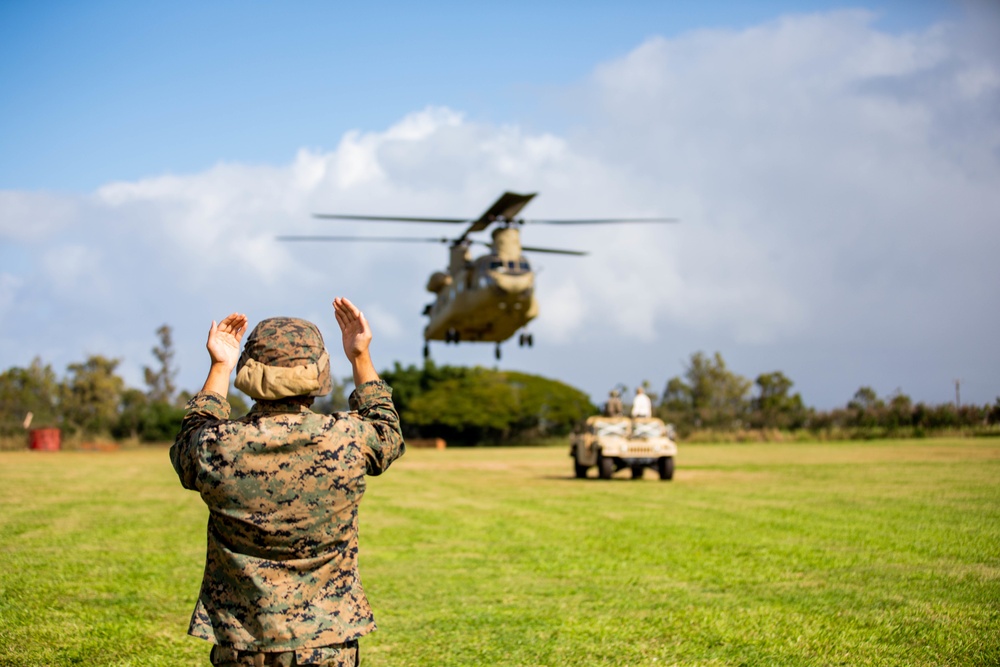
283 357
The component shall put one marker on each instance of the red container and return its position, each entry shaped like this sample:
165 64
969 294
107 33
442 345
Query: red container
44 439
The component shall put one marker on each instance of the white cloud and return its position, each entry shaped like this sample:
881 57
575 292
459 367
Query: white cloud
29 216
74 272
564 309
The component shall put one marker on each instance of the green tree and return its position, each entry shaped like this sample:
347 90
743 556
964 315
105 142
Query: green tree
132 414
34 389
160 381
993 414
899 412
161 422
547 407
476 405
774 406
91 395
410 382
709 395
866 408
677 406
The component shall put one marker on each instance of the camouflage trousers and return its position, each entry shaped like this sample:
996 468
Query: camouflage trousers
342 655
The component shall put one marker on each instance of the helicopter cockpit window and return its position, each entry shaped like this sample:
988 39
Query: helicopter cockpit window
512 266
518 266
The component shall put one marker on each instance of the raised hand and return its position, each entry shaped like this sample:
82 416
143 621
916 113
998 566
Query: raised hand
357 338
354 327
224 340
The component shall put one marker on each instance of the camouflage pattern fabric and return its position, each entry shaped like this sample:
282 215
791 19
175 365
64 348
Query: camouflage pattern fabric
287 342
282 486
345 655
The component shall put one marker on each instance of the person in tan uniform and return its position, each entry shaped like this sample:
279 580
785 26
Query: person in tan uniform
282 485
614 408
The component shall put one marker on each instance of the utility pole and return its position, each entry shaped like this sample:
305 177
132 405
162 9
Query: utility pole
958 394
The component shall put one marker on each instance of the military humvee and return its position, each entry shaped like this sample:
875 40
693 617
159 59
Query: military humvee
614 443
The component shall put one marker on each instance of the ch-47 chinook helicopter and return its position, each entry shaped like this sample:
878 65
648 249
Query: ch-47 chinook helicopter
483 299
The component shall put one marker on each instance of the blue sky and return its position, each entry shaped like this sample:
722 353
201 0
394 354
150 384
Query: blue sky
834 166
101 91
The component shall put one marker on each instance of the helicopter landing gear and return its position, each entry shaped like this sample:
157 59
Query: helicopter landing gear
427 351
452 336
525 339
497 352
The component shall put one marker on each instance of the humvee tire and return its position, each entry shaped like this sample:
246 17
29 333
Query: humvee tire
605 466
579 469
665 466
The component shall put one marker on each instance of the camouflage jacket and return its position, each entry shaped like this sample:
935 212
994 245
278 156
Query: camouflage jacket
282 486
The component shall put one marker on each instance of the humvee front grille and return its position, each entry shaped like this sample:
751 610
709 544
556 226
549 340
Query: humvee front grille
641 449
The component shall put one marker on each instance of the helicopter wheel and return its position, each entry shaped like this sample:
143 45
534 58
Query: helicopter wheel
529 340
427 350
497 353
520 340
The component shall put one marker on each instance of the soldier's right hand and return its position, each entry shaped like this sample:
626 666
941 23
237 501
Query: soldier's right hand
224 340
354 327
357 338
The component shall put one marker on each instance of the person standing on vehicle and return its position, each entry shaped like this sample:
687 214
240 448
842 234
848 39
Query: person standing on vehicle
641 405
282 485
614 408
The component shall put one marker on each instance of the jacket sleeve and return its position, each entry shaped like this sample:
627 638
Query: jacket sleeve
380 438
205 409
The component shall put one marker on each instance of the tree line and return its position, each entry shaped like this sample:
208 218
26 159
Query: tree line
481 406
92 401
462 405
709 401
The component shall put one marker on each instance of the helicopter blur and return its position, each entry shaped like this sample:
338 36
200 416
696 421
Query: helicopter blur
483 299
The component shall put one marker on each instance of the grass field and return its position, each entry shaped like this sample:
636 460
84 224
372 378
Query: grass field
878 553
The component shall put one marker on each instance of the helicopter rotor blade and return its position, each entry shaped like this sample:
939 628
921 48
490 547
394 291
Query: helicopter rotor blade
505 208
597 221
384 239
554 251
387 218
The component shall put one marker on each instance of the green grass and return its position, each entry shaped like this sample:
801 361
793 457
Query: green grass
877 553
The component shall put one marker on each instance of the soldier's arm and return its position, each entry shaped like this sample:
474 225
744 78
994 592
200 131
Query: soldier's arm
380 437
210 404
203 411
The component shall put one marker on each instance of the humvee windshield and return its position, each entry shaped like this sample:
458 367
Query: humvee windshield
613 428
648 430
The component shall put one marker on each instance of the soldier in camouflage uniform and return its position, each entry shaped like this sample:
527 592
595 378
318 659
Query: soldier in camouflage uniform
282 486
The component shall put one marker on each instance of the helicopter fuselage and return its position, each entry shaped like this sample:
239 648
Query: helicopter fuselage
486 299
